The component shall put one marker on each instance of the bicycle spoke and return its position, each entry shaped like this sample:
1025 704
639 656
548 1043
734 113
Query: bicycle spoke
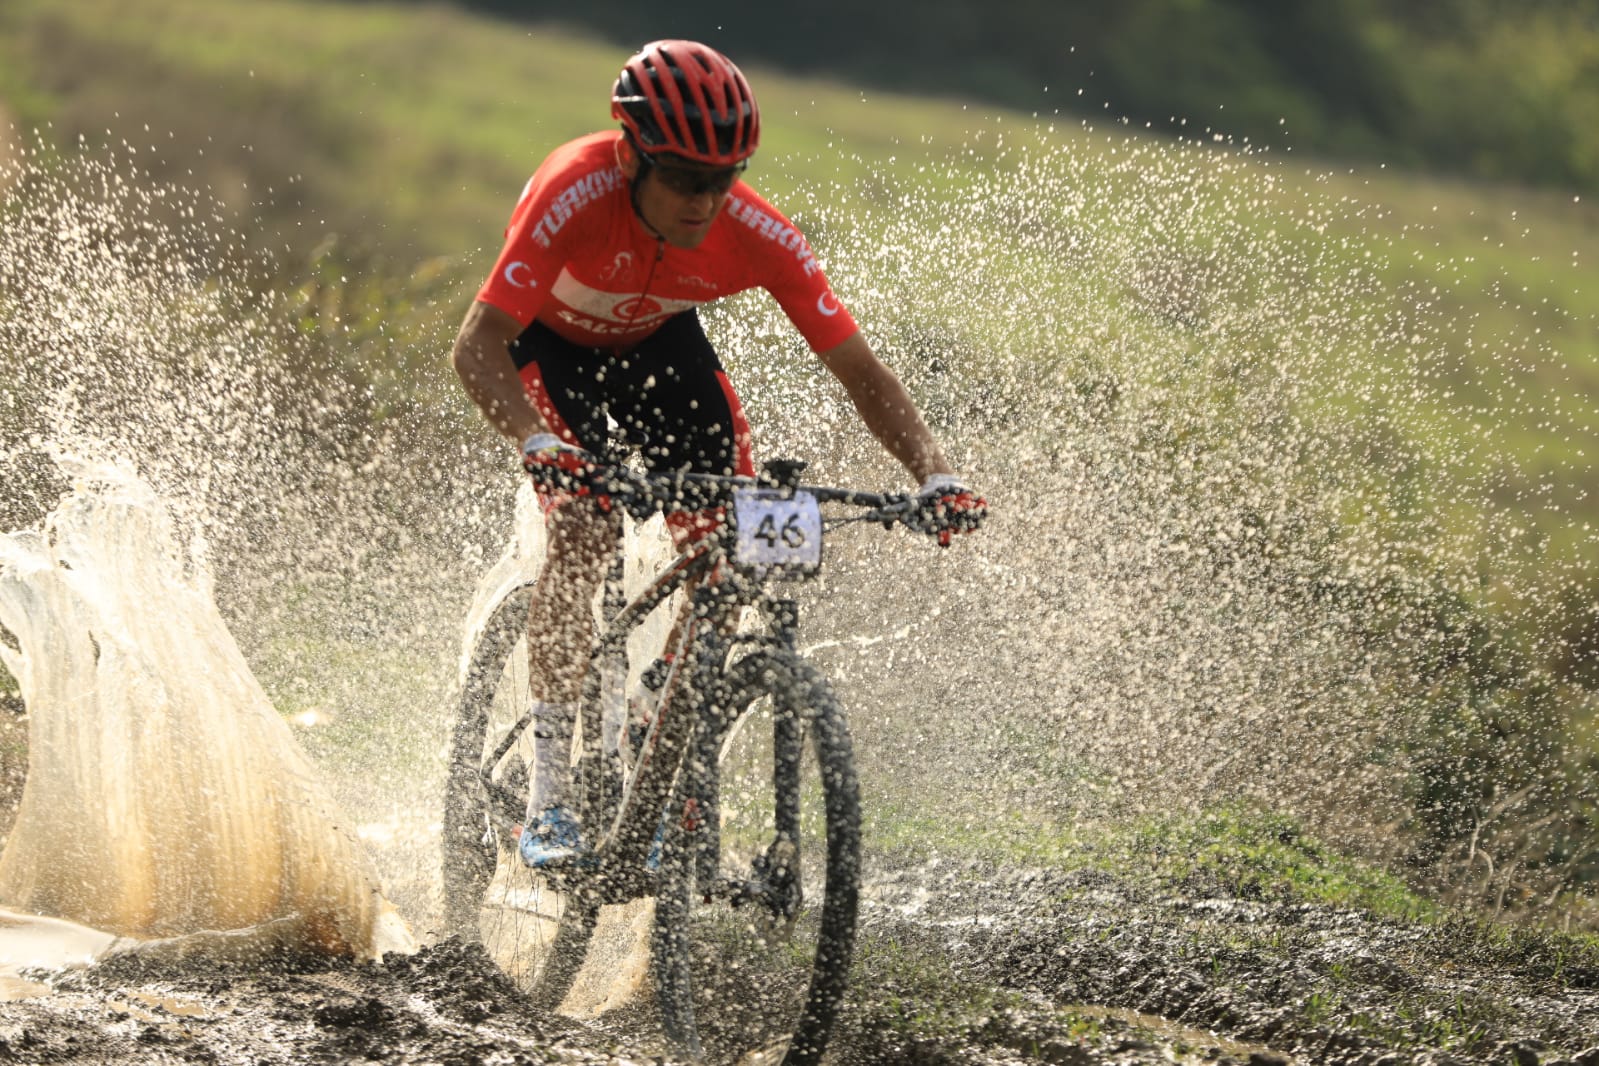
521 917
518 916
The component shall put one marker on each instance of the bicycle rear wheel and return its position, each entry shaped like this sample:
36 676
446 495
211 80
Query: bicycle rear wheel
536 933
732 899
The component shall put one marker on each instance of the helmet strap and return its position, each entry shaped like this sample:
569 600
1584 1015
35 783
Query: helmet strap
644 165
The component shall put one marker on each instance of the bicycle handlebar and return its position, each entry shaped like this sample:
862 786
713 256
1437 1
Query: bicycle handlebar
642 494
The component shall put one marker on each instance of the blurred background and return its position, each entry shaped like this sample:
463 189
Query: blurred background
1480 88
1270 328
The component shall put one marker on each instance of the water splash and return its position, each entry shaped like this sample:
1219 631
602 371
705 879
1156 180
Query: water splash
1200 391
136 332
164 794
1241 545
139 325
1135 628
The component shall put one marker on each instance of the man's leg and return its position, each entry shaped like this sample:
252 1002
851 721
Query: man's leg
560 635
563 381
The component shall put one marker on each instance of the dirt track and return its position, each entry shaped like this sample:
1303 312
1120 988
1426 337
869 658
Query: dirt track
956 965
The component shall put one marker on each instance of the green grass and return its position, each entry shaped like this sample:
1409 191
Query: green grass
916 832
1437 337
360 700
407 130
409 127
1264 856
923 1010
1226 850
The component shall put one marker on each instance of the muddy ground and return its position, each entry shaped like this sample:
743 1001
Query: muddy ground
956 964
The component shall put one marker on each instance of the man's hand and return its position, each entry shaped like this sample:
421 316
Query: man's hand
557 467
947 506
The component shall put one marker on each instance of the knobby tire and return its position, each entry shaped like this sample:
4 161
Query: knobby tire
800 697
479 874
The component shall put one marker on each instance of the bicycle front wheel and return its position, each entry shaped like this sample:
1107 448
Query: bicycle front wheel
760 883
534 932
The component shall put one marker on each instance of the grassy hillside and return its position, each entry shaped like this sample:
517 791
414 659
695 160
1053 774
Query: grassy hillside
409 130
1464 87
1420 357
405 132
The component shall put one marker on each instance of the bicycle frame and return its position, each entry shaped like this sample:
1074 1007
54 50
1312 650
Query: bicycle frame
690 693
673 786
616 866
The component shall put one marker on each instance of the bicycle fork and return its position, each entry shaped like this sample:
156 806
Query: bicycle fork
788 746
773 882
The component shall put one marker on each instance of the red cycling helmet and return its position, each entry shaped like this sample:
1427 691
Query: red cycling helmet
683 99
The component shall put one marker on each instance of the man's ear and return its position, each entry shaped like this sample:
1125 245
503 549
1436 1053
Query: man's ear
627 158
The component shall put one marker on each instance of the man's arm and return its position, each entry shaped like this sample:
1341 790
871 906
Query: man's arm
886 408
482 358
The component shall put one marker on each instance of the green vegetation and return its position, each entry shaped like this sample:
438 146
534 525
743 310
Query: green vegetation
1438 336
394 129
1487 88
1286 974
1232 851
352 697
927 1012
916 832
1264 856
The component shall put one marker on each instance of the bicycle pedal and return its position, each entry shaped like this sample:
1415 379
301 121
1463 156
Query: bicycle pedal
655 675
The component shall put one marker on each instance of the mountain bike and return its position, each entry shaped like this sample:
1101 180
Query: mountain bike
658 814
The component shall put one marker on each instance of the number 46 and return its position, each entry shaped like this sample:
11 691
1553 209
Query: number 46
791 534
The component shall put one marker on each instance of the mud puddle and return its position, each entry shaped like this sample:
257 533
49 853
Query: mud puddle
955 965
1147 974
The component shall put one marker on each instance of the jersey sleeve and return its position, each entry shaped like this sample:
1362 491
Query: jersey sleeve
791 272
555 213
815 311
525 269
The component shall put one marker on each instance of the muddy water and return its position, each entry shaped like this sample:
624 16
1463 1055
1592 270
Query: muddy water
1206 1044
30 942
1122 635
164 795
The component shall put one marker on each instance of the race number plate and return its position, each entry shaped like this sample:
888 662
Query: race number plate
777 531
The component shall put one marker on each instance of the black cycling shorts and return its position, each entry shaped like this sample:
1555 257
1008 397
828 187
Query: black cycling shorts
668 394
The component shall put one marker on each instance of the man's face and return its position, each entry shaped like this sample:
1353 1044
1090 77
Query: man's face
680 200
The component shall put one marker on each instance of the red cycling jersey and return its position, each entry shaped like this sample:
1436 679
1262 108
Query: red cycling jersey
578 258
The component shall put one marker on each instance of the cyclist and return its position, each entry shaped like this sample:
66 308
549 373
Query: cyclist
590 311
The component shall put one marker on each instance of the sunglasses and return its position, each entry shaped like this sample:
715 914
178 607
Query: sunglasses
692 181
